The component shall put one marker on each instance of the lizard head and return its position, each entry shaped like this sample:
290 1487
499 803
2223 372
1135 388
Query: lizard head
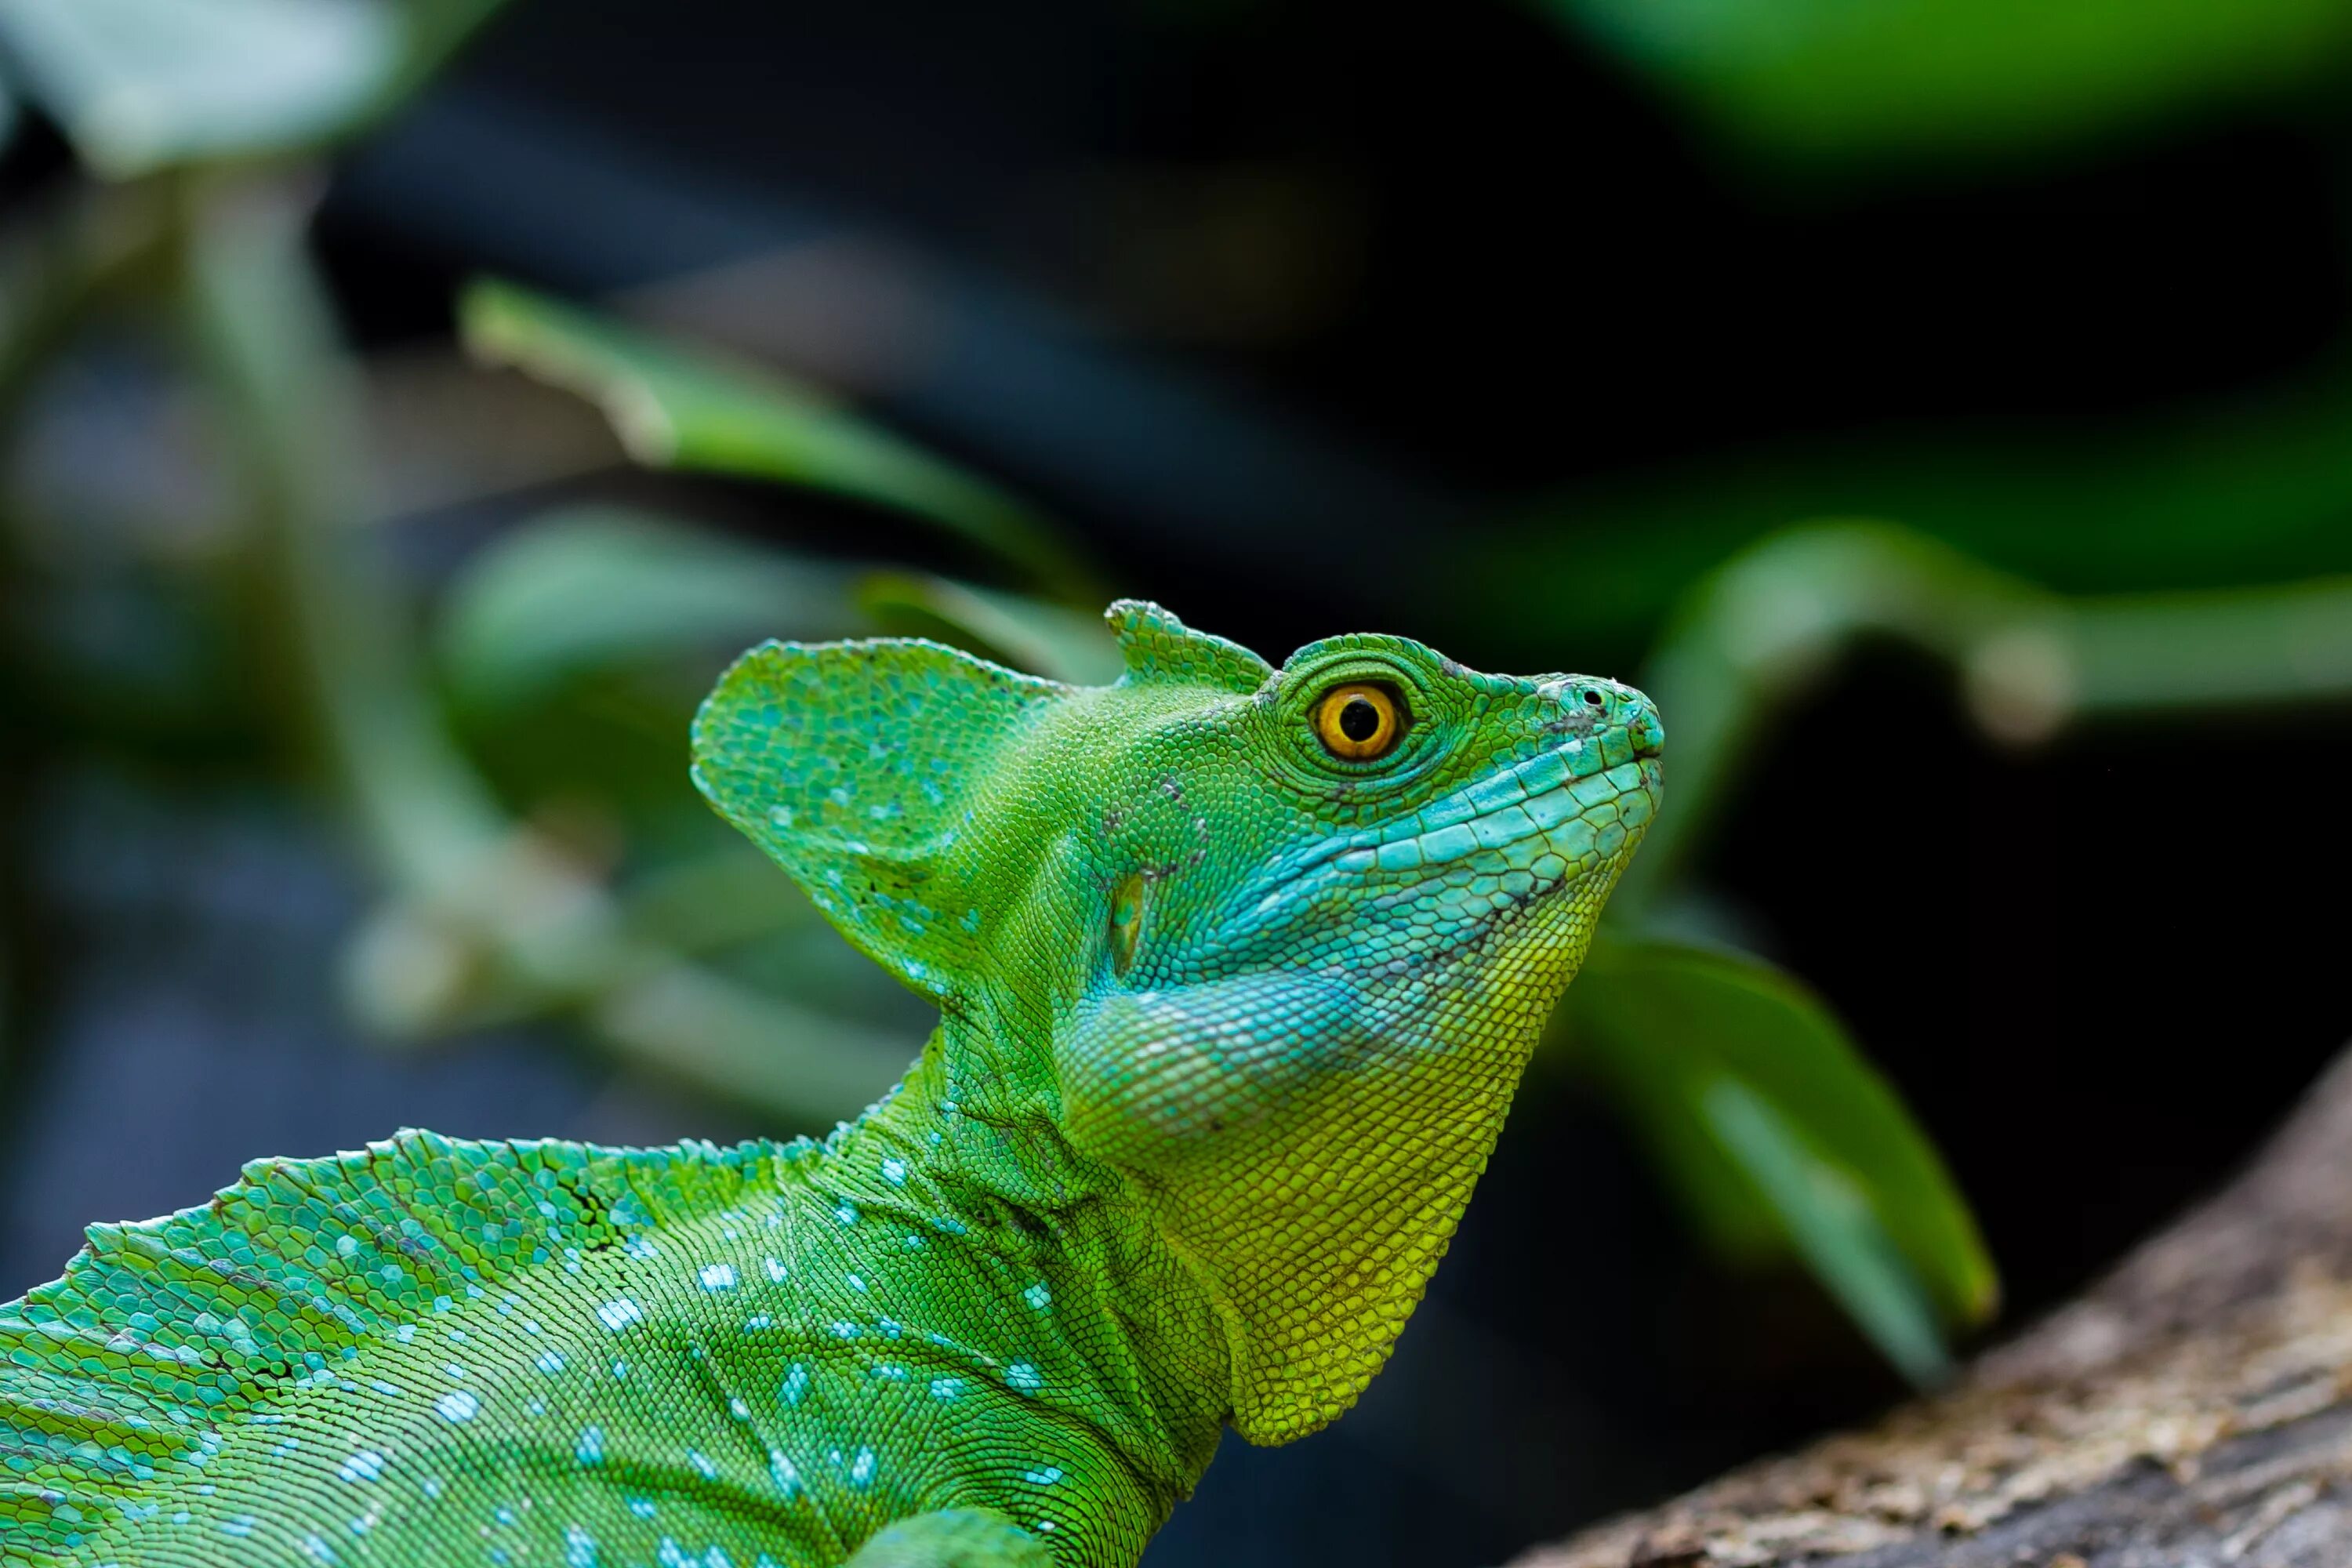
1274 946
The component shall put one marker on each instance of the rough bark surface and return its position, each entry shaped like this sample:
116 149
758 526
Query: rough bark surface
2194 1410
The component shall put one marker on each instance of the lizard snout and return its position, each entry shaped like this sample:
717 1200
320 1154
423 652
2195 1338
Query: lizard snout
1605 705
1639 717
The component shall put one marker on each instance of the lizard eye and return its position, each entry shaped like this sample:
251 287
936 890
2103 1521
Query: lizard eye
1358 722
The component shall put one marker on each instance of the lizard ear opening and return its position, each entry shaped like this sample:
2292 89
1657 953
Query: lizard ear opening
852 764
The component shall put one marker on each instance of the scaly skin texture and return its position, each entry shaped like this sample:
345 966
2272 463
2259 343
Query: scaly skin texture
1228 1024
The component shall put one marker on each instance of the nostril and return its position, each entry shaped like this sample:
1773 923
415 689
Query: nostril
1649 735
1592 698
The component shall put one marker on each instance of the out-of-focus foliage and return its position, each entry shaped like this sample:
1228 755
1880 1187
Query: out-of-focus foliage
596 590
1035 635
1752 637
1833 1225
142 85
2249 490
1777 1135
1875 1215
677 409
1884 78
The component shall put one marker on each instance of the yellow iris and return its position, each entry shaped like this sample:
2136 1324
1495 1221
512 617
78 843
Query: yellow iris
1358 722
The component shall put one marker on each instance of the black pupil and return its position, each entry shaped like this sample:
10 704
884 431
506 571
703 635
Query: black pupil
1359 720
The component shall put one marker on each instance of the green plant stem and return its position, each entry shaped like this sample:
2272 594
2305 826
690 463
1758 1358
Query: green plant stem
1767 626
268 340
469 875
84 250
436 30
70 256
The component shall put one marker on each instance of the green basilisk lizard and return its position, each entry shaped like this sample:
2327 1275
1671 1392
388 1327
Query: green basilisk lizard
1237 970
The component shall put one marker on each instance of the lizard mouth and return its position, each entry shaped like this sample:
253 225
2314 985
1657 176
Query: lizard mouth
1568 805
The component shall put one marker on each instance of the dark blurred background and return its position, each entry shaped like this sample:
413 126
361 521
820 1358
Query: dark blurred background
1500 325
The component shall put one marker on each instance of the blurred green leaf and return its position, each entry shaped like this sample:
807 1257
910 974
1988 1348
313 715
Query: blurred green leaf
801 1066
599 587
1833 1225
138 85
1960 78
1028 634
1663 1026
1753 634
2246 492
1752 637
142 85
683 409
715 900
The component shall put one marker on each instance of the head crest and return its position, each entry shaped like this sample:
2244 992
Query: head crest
1158 647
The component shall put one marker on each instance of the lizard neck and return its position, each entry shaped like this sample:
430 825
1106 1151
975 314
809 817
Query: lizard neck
1059 1259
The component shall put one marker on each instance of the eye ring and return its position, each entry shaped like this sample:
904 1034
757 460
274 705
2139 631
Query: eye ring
1358 722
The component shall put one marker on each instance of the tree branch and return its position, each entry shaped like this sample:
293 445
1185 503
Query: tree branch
2192 1410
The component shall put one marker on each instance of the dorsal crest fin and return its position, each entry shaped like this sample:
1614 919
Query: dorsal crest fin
1158 646
176 1369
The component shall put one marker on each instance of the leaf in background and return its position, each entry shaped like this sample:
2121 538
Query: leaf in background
1833 1225
601 587
1665 1026
1028 634
139 85
1956 78
684 408
2239 492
